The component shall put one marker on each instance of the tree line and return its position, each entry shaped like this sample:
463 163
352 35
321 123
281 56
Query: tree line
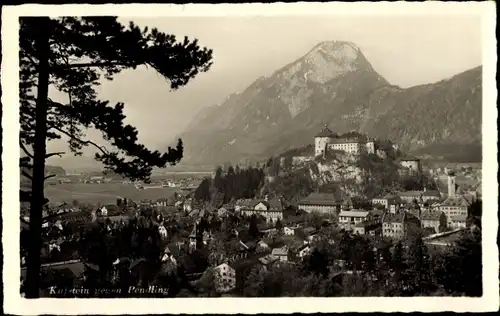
377 268
231 184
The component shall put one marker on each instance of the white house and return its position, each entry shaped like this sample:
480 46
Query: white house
458 221
188 205
271 210
54 246
280 253
225 278
386 201
303 251
168 257
261 244
163 231
289 231
348 219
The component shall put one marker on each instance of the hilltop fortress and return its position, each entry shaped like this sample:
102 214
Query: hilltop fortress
352 143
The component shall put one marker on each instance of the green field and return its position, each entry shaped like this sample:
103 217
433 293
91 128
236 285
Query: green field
103 193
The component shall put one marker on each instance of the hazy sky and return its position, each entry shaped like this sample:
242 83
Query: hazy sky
405 50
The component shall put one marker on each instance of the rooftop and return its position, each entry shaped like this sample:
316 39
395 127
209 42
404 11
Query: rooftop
326 199
431 193
431 216
283 251
273 204
325 132
246 203
393 218
347 140
354 213
410 158
411 193
459 218
457 200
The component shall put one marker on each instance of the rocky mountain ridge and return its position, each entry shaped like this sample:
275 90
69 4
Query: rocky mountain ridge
333 84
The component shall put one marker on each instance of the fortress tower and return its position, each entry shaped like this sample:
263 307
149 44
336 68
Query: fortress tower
321 140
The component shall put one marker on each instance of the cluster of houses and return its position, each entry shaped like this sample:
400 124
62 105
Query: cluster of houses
393 215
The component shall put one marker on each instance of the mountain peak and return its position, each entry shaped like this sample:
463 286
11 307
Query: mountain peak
333 45
328 60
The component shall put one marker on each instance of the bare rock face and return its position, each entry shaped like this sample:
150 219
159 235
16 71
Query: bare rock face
333 84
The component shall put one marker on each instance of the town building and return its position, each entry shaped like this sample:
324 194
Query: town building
244 204
162 231
420 195
393 226
303 251
309 234
371 227
458 222
455 204
398 225
188 205
348 219
195 238
386 201
280 253
320 203
271 210
411 164
434 220
410 196
261 245
289 231
355 144
430 195
225 278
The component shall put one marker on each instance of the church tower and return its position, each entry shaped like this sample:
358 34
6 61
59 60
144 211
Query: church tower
452 186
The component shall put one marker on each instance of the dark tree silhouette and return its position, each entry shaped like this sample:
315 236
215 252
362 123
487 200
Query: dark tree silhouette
72 54
278 225
253 230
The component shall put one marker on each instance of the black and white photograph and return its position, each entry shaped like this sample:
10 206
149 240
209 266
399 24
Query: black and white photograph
202 154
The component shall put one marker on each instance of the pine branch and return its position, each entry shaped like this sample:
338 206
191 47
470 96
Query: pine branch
48 217
96 64
25 149
24 221
27 175
49 176
83 142
59 153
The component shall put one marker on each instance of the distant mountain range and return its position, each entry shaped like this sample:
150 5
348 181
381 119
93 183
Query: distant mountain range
334 84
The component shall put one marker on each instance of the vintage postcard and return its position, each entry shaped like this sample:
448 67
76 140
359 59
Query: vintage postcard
317 157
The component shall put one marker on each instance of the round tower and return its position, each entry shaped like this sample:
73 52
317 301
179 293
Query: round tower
321 140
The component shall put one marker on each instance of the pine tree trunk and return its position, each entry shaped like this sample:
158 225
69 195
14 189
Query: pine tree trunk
39 151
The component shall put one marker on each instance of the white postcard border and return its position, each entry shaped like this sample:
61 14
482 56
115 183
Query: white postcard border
16 305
